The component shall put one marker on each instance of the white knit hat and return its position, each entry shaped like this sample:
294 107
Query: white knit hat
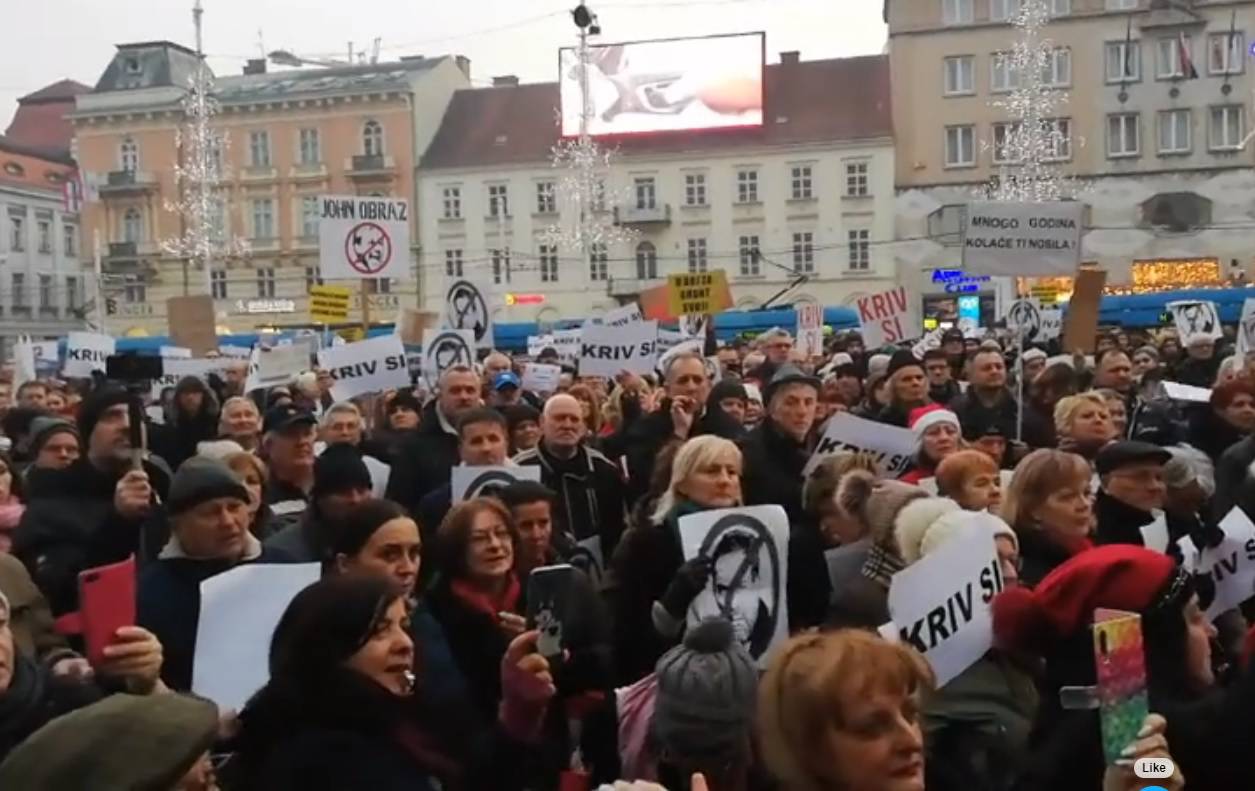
921 533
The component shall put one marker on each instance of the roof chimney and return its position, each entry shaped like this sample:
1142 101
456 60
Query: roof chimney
464 63
507 80
255 66
791 56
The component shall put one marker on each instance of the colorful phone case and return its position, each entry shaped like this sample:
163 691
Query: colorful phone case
1120 660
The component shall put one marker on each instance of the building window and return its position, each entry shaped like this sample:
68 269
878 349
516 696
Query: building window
599 195
694 189
1173 58
1002 75
17 234
1123 135
259 148
500 266
1057 69
372 139
71 294
859 250
856 180
1060 7
381 285
546 198
218 283
311 151
1174 132
801 182
44 230
960 146
264 218
697 255
598 261
132 225
646 261
129 155
646 190
1124 61
45 294
135 293
1059 139
804 252
312 277
956 12
266 283
69 239
1006 135
1003 10
309 216
750 259
452 200
498 201
746 187
20 304
453 263
1228 127
548 256
1122 5
960 73
1226 52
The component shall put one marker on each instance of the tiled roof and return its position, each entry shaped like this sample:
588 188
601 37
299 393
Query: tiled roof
40 118
809 101
25 167
64 89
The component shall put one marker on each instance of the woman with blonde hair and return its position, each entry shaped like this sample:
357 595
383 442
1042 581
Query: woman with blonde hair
1049 505
650 586
1083 423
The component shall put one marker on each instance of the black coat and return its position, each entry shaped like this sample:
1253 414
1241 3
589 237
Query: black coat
648 435
1234 483
423 461
1039 555
176 440
477 643
590 491
1211 433
1200 373
1119 522
640 571
972 414
34 698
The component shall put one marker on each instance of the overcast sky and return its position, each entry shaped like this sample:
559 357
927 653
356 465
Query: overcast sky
49 40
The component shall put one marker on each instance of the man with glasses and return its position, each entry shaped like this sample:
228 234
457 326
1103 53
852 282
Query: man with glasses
1128 506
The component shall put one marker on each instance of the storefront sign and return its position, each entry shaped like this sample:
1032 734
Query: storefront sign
956 281
265 305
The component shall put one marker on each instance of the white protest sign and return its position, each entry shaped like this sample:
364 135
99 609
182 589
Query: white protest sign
1024 317
748 581
605 351
669 339
537 344
368 366
363 237
1195 320
810 329
86 352
892 446
175 352
567 344
175 369
1183 392
443 349
940 605
1246 331
239 610
1019 239
931 340
235 352
888 317
275 366
466 483
1051 325
619 317
1155 535
541 378
1231 565
23 363
46 355
466 309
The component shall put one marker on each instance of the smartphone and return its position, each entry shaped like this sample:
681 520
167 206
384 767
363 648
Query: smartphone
106 596
548 597
1120 660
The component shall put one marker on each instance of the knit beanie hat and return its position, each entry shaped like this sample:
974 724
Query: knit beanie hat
707 689
925 417
878 504
727 388
918 535
878 364
903 358
94 405
200 480
139 742
338 469
1115 576
44 428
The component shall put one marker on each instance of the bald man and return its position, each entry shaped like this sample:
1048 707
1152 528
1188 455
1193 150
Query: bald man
590 505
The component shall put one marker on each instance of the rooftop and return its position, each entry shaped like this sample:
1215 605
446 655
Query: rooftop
40 122
839 99
338 79
24 166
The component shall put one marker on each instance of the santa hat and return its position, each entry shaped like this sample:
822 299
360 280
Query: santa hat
918 535
925 417
1115 576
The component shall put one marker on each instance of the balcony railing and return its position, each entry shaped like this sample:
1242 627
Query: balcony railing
633 214
122 182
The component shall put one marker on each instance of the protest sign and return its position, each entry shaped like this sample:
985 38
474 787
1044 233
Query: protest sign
235 352
443 349
605 350
1196 320
1019 239
191 321
567 344
177 352
23 363
1050 326
239 610
1230 564
1183 392
888 317
1155 534
1080 327
466 482
47 358
931 340
703 293
1246 331
368 366
363 236
892 446
748 553
810 329
541 378
537 344
619 317
175 369
86 352
1024 317
466 309
940 604
329 304
271 367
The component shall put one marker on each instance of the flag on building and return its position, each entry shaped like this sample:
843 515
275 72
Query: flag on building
72 194
1188 71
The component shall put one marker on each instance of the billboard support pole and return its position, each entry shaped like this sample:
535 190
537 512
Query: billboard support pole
587 188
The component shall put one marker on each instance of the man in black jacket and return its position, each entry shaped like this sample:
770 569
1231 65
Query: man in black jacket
1132 489
425 458
589 486
908 388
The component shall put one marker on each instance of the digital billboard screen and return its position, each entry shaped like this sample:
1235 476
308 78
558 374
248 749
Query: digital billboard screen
668 85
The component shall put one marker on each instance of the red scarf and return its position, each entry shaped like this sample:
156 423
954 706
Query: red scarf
486 603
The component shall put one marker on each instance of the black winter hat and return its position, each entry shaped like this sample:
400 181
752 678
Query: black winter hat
96 404
404 399
44 428
339 469
903 358
730 387
200 480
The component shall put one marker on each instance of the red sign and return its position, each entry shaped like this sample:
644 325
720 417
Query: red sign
524 299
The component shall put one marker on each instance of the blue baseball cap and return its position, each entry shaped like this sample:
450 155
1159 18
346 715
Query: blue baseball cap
506 379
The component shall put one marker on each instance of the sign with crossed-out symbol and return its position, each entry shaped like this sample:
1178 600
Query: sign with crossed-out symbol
1024 317
466 309
1195 320
466 483
443 349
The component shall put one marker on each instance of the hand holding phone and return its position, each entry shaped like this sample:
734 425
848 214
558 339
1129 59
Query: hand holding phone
1120 661
106 604
548 595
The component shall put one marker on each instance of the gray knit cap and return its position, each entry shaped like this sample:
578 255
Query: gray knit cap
200 480
707 689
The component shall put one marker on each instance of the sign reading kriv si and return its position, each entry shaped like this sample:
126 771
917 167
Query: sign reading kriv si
702 293
329 304
1019 239
892 446
605 351
1230 564
366 366
363 237
888 317
86 352
810 329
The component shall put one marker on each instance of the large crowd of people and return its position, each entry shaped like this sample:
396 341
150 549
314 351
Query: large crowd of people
412 665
